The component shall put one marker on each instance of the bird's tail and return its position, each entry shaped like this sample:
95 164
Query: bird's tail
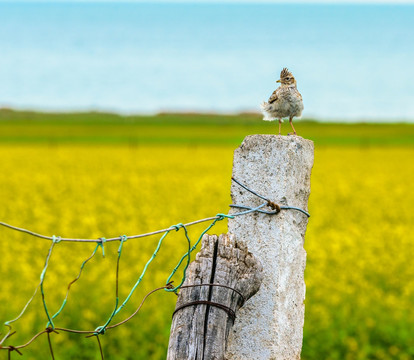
266 109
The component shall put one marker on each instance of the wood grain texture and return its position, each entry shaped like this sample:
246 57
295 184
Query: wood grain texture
200 331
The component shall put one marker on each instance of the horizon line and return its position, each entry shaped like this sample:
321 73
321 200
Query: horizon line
194 112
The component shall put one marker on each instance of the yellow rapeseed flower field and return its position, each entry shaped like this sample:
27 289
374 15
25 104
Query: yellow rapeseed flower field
359 275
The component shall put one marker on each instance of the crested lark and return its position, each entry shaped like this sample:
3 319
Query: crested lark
286 101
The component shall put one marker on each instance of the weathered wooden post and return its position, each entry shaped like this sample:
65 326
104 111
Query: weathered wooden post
205 313
270 325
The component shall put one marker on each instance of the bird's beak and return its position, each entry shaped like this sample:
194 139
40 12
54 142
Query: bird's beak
278 81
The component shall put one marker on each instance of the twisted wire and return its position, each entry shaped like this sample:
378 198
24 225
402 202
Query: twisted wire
100 330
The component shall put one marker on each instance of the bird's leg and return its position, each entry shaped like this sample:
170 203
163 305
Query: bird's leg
280 125
291 124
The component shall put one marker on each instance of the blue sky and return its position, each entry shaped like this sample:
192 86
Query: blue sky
143 59
235 1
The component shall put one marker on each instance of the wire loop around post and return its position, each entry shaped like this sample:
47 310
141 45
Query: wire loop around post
100 330
219 216
276 207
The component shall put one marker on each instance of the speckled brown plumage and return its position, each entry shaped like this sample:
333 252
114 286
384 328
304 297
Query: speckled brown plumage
285 101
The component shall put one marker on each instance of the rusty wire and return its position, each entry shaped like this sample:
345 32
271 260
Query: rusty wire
100 243
90 333
100 240
269 203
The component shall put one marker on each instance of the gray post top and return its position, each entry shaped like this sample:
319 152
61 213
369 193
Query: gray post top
277 167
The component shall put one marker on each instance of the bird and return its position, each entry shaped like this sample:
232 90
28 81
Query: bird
285 101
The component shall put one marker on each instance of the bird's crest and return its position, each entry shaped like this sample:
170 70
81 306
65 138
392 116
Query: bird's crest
284 73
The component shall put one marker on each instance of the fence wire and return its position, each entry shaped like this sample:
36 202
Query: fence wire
100 243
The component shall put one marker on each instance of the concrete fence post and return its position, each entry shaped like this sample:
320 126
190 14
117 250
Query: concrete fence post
270 325
261 251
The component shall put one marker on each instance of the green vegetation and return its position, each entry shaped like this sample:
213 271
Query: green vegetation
96 182
16 127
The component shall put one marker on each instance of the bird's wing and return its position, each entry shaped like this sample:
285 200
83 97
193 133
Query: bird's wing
273 97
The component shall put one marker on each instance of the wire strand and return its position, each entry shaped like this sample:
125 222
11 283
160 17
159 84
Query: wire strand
50 327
